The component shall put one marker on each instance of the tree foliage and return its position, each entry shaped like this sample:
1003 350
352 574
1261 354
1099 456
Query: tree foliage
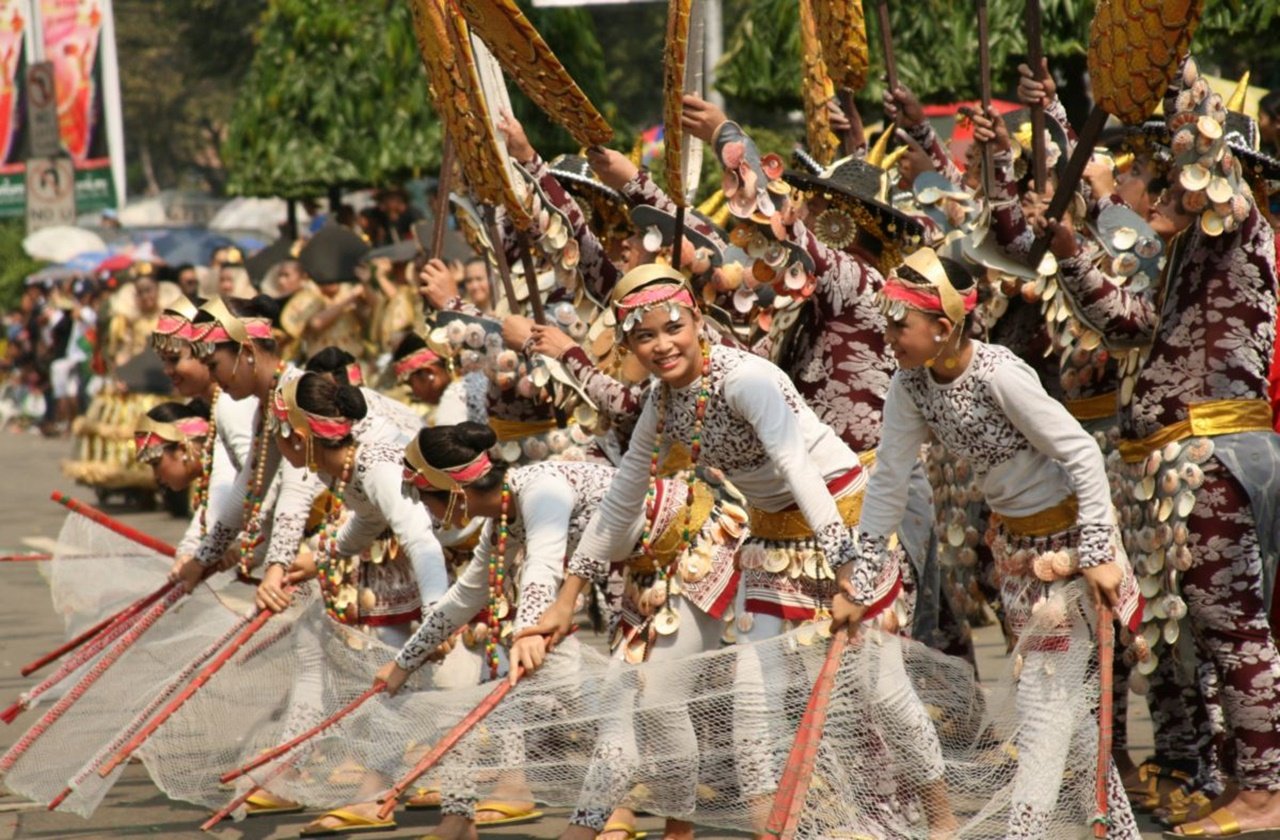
335 96
935 47
15 265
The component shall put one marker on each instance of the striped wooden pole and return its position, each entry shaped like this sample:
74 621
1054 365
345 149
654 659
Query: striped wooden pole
1106 722
161 697
793 787
235 803
275 752
206 674
150 617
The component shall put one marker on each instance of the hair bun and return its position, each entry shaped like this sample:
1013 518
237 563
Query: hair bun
350 401
267 307
477 436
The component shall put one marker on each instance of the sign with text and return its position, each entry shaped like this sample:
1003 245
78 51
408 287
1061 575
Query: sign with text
51 193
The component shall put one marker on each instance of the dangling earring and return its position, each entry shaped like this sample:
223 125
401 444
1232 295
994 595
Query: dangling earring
937 339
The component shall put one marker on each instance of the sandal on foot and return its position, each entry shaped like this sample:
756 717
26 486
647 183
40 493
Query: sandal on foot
1148 795
1227 827
511 815
423 799
619 828
1184 806
261 805
350 823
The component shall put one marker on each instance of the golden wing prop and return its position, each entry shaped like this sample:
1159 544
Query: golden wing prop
673 67
455 89
817 90
530 62
844 41
1134 47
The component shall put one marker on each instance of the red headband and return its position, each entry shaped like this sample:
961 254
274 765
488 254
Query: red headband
355 376
415 361
325 428
259 328
470 471
156 434
925 299
656 294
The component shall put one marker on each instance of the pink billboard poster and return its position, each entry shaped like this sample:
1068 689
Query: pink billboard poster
13 26
71 32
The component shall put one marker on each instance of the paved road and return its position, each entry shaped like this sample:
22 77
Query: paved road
135 808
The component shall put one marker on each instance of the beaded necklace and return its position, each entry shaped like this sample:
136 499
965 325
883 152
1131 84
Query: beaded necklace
332 574
498 606
201 494
666 621
257 489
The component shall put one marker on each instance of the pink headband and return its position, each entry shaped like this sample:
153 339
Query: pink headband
656 294
415 361
470 471
325 428
925 299
155 434
355 376
259 328
171 323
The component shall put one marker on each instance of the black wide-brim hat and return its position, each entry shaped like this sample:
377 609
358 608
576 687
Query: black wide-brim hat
331 256
854 186
644 216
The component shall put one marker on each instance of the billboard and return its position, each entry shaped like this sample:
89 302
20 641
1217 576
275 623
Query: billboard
76 37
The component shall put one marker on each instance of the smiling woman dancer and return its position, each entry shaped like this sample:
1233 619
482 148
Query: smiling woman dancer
738 413
1043 476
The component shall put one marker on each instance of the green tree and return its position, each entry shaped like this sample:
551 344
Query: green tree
181 62
335 96
15 265
935 49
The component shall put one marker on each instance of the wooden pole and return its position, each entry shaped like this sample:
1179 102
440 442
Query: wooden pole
1035 58
854 137
161 697
793 787
984 81
1106 662
443 185
187 693
90 512
886 42
525 247
150 617
500 256
1089 134
677 238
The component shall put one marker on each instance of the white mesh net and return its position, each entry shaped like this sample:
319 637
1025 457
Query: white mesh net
909 733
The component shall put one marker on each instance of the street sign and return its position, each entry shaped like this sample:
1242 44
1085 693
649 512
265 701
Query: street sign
42 111
51 193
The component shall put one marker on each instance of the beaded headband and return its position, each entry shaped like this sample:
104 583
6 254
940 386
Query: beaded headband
291 416
937 296
152 436
415 361
649 286
230 328
453 479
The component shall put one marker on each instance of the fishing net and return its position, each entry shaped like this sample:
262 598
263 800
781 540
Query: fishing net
702 738
909 733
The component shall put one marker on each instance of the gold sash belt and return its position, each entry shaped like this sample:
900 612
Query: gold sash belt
790 524
1049 521
664 547
516 429
1204 419
1093 408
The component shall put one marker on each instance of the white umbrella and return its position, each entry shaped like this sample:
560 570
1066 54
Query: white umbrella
61 243
263 215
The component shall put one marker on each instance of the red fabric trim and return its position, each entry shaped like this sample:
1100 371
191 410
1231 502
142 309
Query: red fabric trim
386 620
721 604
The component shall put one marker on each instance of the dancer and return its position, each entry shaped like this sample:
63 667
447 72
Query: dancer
1042 475
740 414
679 555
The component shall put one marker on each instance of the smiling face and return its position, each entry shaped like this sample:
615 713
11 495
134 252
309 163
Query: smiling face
670 350
915 338
190 377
